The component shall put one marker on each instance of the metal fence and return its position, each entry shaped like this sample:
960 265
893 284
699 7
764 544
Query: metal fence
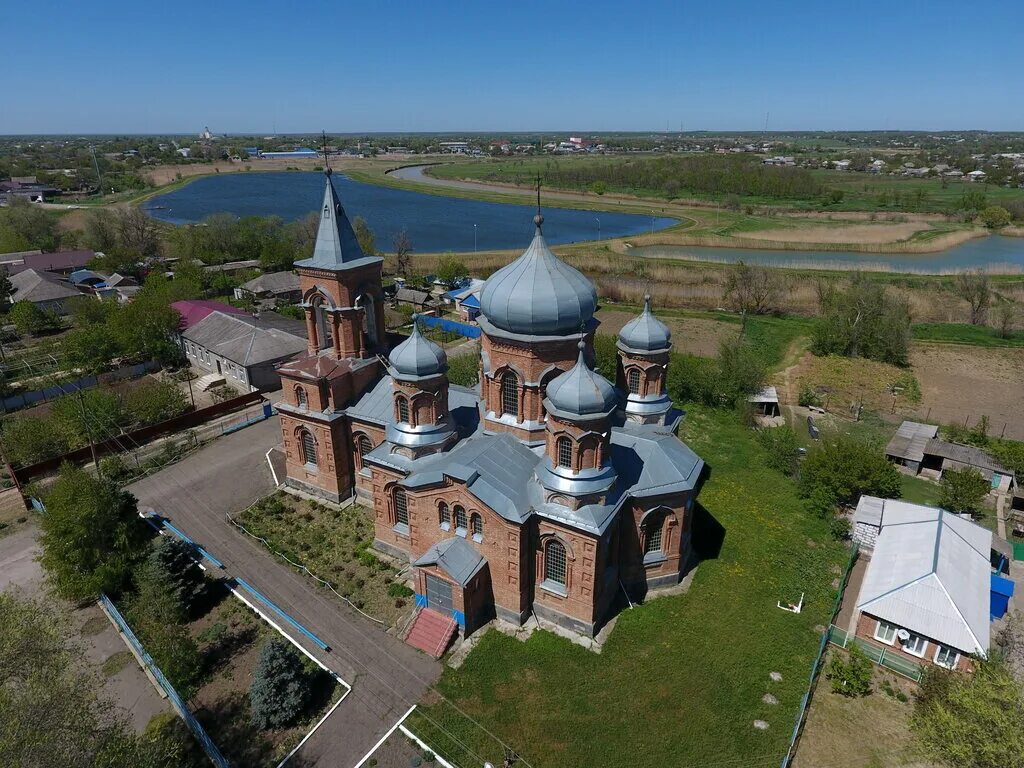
451 326
816 666
176 701
880 656
57 391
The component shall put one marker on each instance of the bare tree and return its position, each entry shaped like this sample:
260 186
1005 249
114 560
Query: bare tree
755 290
973 287
403 252
138 234
1005 318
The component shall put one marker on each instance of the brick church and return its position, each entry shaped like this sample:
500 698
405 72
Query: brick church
546 490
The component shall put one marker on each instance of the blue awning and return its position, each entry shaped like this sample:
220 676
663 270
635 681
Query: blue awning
472 301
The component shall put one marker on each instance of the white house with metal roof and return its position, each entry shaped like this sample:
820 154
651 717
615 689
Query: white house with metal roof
926 588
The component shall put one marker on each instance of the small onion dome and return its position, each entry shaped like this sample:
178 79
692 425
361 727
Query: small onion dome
417 356
582 391
645 333
538 294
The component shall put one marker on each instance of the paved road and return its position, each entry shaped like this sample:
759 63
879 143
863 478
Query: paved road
387 676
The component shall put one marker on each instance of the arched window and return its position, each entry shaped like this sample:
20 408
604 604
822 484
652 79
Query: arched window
633 380
460 519
363 447
653 534
564 448
444 516
476 527
554 562
403 409
300 397
510 393
401 508
308 444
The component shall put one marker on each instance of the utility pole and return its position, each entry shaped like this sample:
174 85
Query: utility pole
88 431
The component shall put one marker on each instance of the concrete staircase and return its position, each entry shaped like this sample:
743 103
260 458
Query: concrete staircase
431 632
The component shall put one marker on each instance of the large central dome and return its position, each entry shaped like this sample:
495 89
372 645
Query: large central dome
538 294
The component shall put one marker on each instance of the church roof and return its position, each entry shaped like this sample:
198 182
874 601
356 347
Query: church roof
581 391
455 557
377 406
538 294
645 333
336 244
417 357
651 460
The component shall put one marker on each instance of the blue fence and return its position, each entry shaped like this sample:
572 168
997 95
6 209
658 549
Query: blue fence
176 701
451 326
280 612
26 399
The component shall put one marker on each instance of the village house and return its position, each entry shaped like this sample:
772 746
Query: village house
47 290
466 299
919 451
279 286
547 492
928 591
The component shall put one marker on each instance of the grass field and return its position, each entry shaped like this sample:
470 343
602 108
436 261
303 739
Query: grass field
680 681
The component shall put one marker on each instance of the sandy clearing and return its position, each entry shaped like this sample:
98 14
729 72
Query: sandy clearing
853 233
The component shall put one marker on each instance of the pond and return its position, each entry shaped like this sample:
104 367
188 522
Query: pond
994 253
434 223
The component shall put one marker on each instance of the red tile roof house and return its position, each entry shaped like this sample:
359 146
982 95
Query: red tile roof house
194 310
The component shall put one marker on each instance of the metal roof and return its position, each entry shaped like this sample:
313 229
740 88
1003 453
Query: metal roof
273 282
767 395
243 340
651 460
455 557
194 310
336 244
581 391
645 333
910 440
377 406
964 456
36 286
930 573
417 357
538 294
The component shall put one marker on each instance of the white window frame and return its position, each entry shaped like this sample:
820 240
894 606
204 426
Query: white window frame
879 636
920 640
939 648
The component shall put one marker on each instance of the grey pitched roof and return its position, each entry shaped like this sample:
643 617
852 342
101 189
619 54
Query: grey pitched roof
417 357
645 333
243 340
377 406
455 557
495 468
929 573
412 296
272 282
651 460
336 244
581 391
910 440
965 456
538 294
36 285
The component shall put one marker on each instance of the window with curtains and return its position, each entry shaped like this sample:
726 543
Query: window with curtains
510 393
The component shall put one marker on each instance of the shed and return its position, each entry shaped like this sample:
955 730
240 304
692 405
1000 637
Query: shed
907 446
765 402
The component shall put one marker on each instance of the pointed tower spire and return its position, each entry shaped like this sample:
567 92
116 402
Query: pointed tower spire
327 163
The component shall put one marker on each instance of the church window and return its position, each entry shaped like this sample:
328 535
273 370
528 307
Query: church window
460 519
564 452
308 444
653 529
403 409
510 393
401 507
633 380
476 527
300 397
444 516
554 562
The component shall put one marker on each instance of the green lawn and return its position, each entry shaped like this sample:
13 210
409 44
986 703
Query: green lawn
680 679
962 333
919 491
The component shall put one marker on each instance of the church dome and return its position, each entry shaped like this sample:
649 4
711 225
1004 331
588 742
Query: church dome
645 333
417 357
538 294
581 391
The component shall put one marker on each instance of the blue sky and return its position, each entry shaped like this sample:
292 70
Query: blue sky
110 66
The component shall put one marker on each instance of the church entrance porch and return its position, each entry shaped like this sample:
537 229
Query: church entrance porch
452 579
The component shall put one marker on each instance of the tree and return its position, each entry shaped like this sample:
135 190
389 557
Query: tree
281 687
963 490
51 711
403 252
28 318
782 449
839 470
153 401
24 226
92 536
752 289
6 288
451 270
850 676
1006 317
973 287
995 217
101 231
173 563
741 370
138 234
364 235
971 721
864 321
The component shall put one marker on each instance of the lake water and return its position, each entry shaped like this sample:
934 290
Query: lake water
434 223
994 253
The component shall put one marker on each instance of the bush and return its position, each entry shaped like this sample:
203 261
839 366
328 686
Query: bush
737 372
173 562
963 490
850 676
844 468
281 687
864 321
995 217
782 450
808 397
398 589
153 401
